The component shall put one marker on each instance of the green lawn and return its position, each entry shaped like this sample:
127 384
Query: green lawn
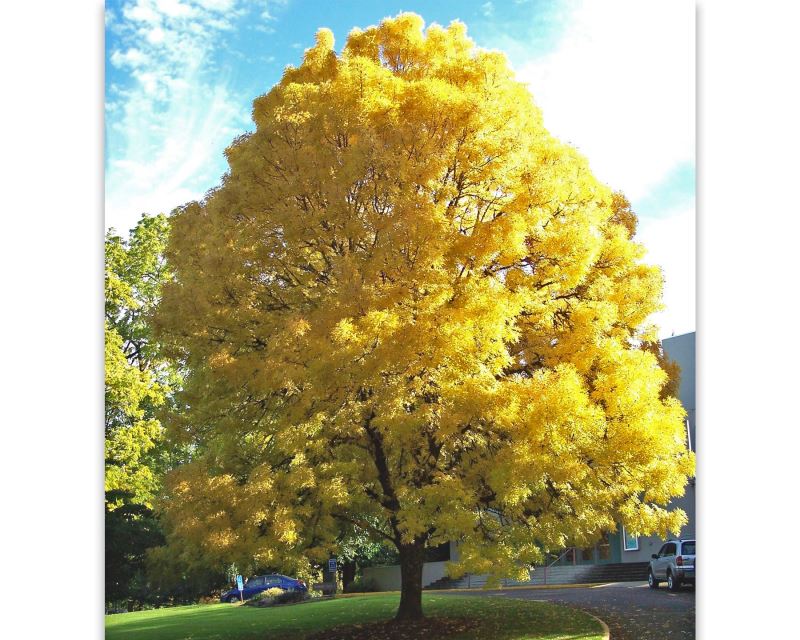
501 619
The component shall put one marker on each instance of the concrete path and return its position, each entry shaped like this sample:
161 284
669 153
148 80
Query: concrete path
631 609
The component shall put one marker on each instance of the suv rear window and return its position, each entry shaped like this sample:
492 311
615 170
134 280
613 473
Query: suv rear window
688 548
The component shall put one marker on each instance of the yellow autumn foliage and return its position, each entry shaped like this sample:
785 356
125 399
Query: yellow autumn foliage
410 308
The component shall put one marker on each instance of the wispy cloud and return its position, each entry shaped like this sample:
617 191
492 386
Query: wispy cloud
166 122
488 9
171 117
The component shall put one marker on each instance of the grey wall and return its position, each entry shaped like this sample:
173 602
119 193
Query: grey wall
682 350
388 577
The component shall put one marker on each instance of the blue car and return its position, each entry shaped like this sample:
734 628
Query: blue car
257 584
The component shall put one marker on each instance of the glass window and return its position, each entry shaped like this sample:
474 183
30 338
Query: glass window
669 549
255 582
630 543
689 435
438 554
587 554
662 550
688 548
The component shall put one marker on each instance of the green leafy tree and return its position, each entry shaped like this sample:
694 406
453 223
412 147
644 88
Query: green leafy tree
357 548
138 382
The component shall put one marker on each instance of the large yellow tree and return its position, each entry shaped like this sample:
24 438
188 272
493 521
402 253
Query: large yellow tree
409 309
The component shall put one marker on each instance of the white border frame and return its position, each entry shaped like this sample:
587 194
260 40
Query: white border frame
625 541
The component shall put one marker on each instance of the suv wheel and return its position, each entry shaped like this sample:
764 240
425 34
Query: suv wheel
651 580
672 583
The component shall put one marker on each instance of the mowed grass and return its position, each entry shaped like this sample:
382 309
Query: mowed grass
500 619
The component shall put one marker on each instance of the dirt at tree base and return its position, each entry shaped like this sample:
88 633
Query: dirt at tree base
425 629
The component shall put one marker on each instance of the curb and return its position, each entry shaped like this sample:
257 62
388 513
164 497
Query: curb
522 587
606 632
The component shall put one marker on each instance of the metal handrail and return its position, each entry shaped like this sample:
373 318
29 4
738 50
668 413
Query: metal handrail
566 551
504 581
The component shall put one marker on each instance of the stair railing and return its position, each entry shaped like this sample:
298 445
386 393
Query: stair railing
566 551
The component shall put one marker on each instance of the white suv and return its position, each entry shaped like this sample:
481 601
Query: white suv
675 563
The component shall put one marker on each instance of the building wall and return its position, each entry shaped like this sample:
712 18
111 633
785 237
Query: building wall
682 350
388 578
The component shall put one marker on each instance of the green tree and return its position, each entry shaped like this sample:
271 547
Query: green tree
138 382
356 549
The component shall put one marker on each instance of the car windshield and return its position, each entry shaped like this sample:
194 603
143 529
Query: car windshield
688 548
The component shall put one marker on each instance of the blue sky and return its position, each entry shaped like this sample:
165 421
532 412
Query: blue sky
616 79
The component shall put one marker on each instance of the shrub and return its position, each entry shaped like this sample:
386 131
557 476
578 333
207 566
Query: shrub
265 596
211 598
362 585
276 596
289 597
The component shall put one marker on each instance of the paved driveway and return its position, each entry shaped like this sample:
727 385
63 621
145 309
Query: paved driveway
631 609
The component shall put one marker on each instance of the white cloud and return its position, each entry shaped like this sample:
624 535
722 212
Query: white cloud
156 35
268 5
619 85
488 9
176 8
217 5
167 129
670 242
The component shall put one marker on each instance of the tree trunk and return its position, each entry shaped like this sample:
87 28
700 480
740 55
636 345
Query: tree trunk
412 556
348 573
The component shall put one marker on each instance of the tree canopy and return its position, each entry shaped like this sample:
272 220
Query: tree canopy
409 308
137 385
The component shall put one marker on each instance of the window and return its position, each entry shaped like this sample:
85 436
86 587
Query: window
587 554
255 582
669 549
604 549
689 435
663 550
630 542
688 548
438 554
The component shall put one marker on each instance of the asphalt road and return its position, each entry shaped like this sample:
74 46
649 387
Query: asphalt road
631 610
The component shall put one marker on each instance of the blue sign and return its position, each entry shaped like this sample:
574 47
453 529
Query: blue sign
332 565
239 583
